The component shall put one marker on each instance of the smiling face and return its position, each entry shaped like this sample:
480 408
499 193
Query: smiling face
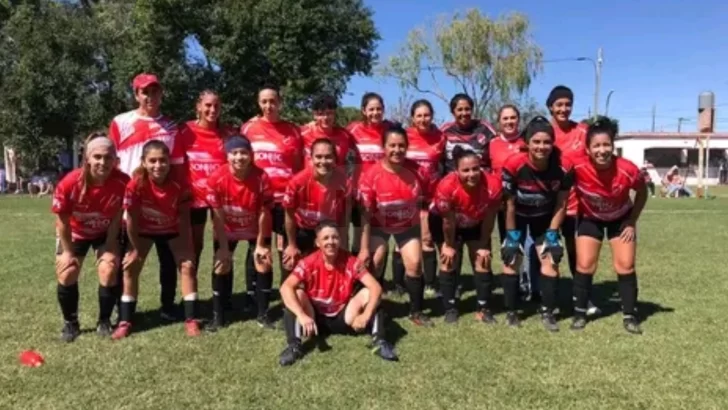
208 108
395 148
156 162
325 119
508 121
561 109
373 111
323 158
540 146
329 241
422 118
239 159
601 149
149 99
100 162
269 104
463 112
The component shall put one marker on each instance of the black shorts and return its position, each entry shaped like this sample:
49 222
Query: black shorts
279 219
355 216
199 216
80 247
461 234
159 238
536 226
334 324
599 229
401 238
232 245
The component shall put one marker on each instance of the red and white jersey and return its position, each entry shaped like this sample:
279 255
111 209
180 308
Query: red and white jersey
329 290
346 152
241 200
427 149
205 151
130 131
571 140
468 206
158 206
314 202
92 214
394 199
501 148
368 139
604 194
277 150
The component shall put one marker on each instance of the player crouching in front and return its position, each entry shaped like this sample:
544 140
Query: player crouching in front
157 213
319 295
603 183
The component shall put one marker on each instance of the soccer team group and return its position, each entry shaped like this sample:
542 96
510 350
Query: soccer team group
436 191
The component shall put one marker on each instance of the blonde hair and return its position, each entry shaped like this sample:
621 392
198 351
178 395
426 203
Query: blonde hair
86 171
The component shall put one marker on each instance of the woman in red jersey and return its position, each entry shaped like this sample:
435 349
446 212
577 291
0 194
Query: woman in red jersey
603 184
241 198
324 126
466 131
88 207
367 135
278 149
464 208
392 194
156 207
426 146
320 296
314 195
535 184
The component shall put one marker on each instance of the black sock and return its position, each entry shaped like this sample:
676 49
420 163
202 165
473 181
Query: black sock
510 291
293 331
416 289
397 268
582 289
447 289
483 288
68 300
119 290
376 325
218 294
263 282
628 293
127 310
548 293
190 309
250 273
229 286
429 267
107 301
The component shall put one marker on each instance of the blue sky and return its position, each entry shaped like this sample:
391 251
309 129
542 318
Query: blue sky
655 52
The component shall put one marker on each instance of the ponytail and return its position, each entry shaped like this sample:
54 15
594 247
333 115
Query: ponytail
85 177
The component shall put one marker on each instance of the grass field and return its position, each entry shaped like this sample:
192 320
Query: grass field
677 363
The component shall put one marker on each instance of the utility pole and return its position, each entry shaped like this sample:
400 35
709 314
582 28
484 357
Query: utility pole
598 80
680 121
654 114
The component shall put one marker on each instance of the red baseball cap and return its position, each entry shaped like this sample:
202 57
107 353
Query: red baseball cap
144 80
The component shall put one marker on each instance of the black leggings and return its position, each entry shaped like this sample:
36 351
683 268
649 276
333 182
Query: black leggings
568 230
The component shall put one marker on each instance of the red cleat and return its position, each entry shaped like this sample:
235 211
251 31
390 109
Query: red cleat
122 331
31 358
192 328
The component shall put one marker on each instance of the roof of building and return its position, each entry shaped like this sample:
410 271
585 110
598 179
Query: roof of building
670 135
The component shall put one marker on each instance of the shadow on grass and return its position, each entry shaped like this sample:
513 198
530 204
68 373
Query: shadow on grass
606 297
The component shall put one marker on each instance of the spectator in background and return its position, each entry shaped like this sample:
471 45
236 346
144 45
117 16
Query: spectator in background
675 184
65 159
648 181
722 171
2 178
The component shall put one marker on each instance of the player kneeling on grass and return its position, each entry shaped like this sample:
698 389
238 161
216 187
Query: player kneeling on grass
464 208
603 183
241 199
319 296
88 204
536 184
157 213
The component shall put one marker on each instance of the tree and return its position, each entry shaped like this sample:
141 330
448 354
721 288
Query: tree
490 60
347 115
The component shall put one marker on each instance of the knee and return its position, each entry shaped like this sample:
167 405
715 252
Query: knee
624 267
587 267
68 276
363 297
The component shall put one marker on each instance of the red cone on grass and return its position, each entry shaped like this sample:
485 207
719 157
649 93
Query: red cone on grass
31 358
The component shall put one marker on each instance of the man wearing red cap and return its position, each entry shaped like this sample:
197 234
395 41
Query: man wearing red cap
129 132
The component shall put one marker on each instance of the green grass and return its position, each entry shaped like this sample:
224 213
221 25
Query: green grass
678 362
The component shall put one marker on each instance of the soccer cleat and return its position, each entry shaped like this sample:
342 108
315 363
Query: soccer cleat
122 331
104 329
451 316
549 321
579 323
632 325
70 331
291 354
592 309
486 316
168 314
192 327
264 322
420 319
512 319
215 324
385 350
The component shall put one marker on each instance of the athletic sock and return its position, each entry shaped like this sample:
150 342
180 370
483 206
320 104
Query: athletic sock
483 288
510 291
397 268
128 308
429 267
628 293
292 327
376 325
68 300
190 303
250 272
582 290
107 301
447 289
264 282
218 294
416 290
548 293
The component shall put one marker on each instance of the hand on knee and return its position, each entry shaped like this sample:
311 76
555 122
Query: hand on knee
106 265
68 276
482 260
